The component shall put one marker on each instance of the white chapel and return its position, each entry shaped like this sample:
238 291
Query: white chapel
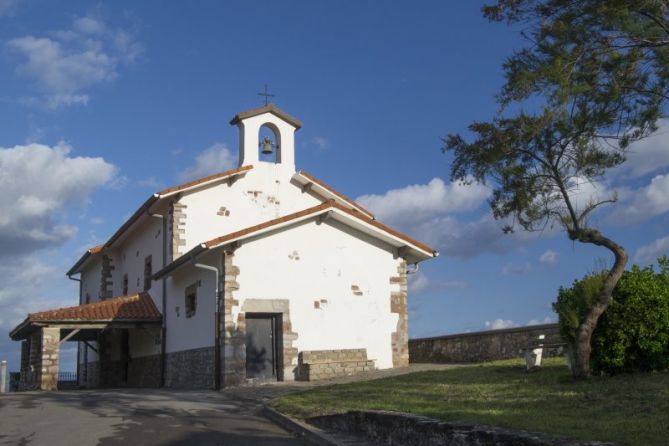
261 273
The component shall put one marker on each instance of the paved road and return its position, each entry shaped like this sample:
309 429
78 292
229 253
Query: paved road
135 417
156 417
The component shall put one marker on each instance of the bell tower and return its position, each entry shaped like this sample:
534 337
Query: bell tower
266 135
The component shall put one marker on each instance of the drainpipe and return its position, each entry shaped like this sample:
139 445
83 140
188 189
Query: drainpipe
78 343
217 325
163 327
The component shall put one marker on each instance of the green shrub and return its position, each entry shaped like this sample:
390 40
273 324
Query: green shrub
633 334
573 304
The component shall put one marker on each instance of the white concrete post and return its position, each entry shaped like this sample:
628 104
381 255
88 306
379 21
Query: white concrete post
3 376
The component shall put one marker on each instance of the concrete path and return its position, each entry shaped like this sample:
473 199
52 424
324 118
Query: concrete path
156 417
134 417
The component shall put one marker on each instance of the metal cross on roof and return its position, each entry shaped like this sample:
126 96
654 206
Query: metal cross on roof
266 94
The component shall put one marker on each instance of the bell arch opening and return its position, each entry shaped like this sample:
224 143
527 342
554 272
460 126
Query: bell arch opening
269 143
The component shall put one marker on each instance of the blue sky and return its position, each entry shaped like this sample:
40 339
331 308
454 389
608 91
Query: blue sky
104 103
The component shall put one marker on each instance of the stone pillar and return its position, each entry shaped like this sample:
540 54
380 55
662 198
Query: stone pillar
3 376
48 378
398 304
233 347
177 228
106 277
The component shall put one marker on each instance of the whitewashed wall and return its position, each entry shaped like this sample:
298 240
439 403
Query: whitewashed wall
312 262
129 258
198 331
264 193
90 280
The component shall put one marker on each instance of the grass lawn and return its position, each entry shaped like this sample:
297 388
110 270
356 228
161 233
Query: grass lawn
628 410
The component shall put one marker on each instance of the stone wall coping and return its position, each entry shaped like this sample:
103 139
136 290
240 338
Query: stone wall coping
489 332
414 430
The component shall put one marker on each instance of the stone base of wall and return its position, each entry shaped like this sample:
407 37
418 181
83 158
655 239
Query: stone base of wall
144 371
190 369
112 374
323 364
484 345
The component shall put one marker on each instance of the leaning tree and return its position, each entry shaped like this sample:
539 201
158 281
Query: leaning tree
593 78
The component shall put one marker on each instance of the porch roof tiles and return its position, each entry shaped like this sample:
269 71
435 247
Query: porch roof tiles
134 308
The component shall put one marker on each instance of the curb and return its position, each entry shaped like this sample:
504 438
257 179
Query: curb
303 430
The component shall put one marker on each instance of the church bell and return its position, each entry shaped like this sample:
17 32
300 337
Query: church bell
266 146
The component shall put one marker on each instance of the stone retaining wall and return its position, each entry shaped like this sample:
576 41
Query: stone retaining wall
393 428
483 345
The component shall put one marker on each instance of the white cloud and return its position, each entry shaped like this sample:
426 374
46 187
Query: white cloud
549 257
38 182
637 205
319 142
647 155
29 284
150 182
650 253
583 192
546 320
498 324
88 25
512 269
214 159
420 283
23 280
426 211
425 200
65 65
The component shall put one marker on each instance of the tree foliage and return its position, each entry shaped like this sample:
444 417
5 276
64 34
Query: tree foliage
633 334
608 59
593 78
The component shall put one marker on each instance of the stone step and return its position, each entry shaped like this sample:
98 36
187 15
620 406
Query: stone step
328 370
318 356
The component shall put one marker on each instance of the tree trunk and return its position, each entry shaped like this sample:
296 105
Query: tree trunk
581 367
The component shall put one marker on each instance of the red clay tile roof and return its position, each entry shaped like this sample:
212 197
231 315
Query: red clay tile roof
138 307
95 249
89 252
334 192
134 308
269 108
204 180
330 204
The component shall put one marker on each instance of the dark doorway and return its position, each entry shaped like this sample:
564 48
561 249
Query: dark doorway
262 346
125 356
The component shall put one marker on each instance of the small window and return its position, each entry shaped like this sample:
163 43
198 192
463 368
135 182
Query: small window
148 272
125 284
191 300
